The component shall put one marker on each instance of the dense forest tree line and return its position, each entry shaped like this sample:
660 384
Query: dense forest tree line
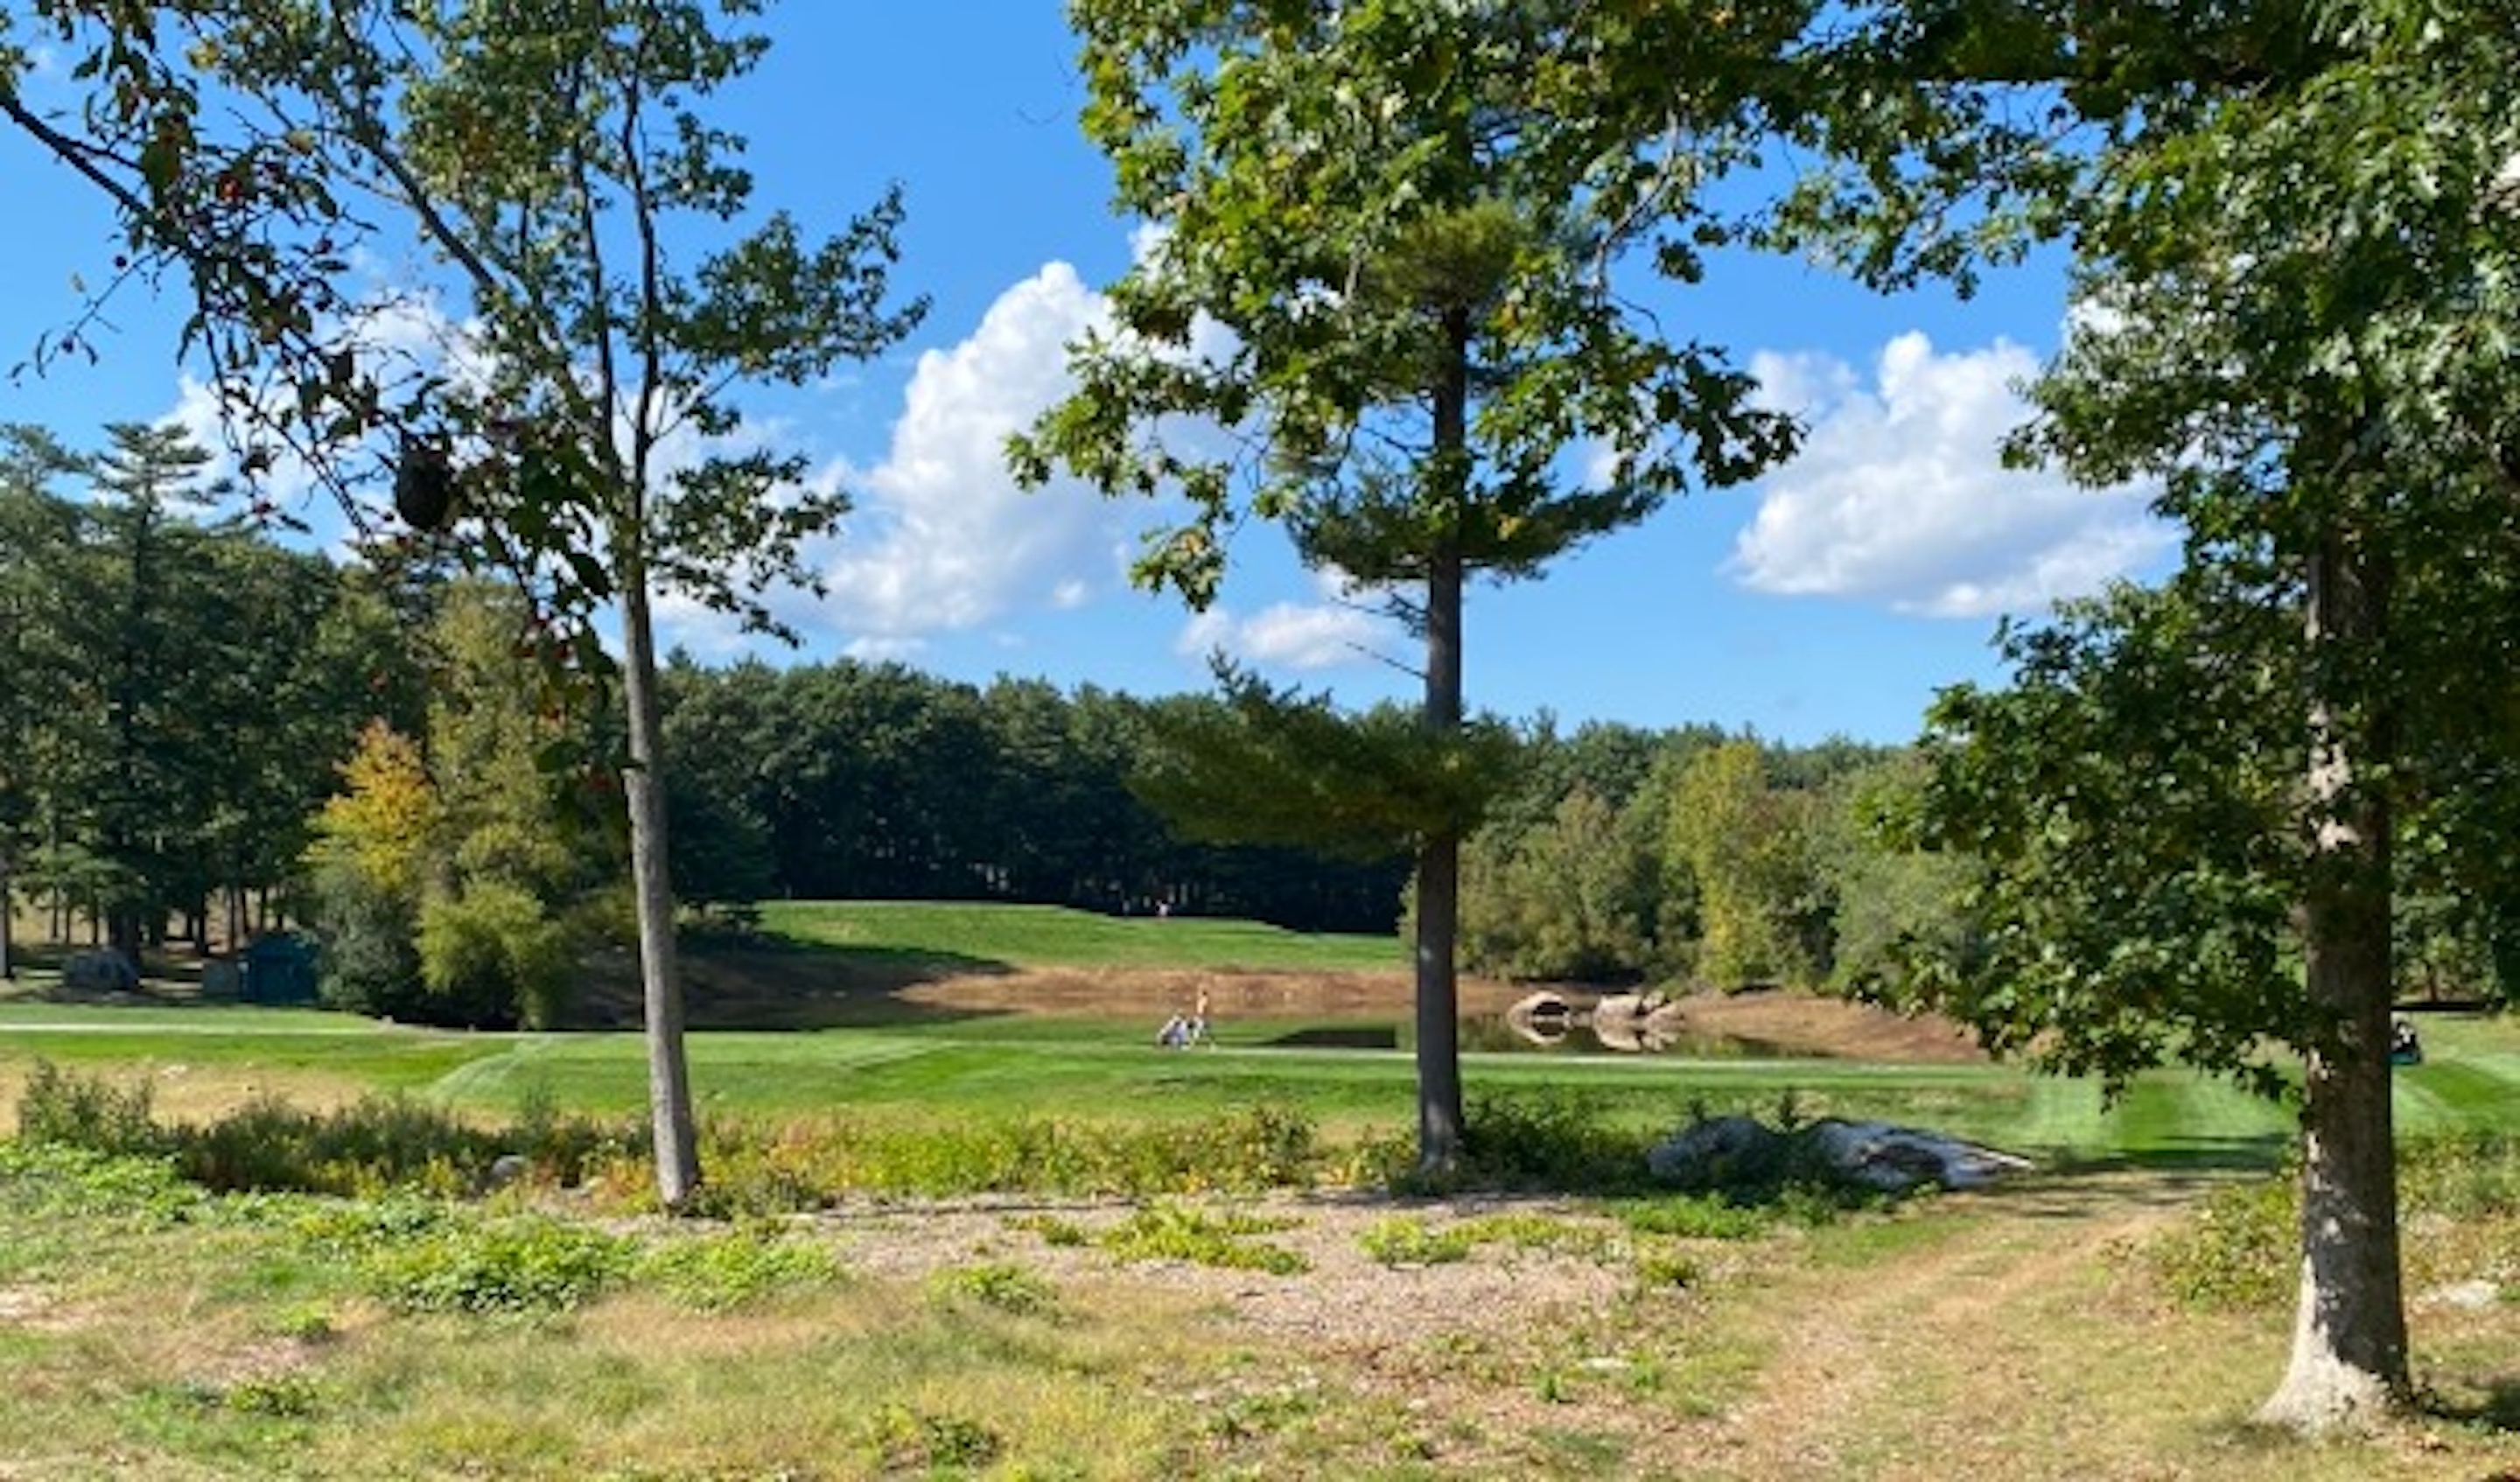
846 779
175 691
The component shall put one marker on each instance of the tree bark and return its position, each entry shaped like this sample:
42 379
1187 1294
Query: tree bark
1440 1119
1441 1124
2349 1353
669 1091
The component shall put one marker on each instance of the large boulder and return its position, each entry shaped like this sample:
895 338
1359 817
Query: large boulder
100 969
1718 1153
1742 1152
1896 1159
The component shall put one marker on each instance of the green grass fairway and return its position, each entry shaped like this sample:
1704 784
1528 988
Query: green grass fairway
1053 936
915 1063
1011 1066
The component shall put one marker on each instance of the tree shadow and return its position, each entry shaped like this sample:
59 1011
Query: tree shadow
762 982
1336 1037
2487 1402
2203 1155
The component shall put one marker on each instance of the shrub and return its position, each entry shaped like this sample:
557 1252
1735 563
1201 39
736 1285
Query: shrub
493 957
2241 1248
378 1144
2468 1176
1178 1232
999 1284
67 1110
1697 1216
718 1272
1407 1241
758 1169
266 1144
1546 1140
2237 1250
46 1180
368 958
522 1267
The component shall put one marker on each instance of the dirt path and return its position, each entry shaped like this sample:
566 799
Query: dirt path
1939 1356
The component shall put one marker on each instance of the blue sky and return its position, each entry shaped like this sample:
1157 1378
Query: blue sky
1833 597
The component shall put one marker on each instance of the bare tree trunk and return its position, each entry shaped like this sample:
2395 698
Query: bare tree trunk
2349 1352
670 1090
8 921
1441 1124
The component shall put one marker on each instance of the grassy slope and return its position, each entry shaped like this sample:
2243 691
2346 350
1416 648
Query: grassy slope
1051 936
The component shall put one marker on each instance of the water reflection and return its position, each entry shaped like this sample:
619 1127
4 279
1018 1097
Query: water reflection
1619 1023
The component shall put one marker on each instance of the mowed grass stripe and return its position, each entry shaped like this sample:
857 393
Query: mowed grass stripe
2448 1094
2183 1116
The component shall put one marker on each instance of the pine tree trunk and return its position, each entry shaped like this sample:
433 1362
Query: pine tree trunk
1440 1119
2349 1353
669 1091
1441 1124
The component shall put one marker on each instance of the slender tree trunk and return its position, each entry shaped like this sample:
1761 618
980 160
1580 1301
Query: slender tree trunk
2349 1352
1440 1120
1441 1125
669 1089
8 923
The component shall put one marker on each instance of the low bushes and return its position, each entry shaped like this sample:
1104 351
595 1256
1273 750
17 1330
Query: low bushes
2458 1201
378 1144
758 1169
1556 1142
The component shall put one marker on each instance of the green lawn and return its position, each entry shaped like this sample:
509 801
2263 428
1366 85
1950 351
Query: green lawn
1053 936
919 1063
1012 1066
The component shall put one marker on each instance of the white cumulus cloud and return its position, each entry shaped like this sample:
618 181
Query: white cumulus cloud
1330 633
1900 496
941 539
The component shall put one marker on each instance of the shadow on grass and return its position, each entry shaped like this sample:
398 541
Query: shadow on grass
2205 1156
1336 1037
2493 1403
729 981
2178 1174
764 981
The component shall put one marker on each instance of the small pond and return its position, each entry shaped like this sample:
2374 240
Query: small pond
1549 1023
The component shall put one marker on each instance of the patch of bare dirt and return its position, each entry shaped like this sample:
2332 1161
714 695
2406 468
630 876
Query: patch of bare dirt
1807 1023
37 1310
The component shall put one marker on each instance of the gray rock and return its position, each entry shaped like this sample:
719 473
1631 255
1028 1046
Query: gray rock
1896 1159
100 969
1715 1152
1735 1151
